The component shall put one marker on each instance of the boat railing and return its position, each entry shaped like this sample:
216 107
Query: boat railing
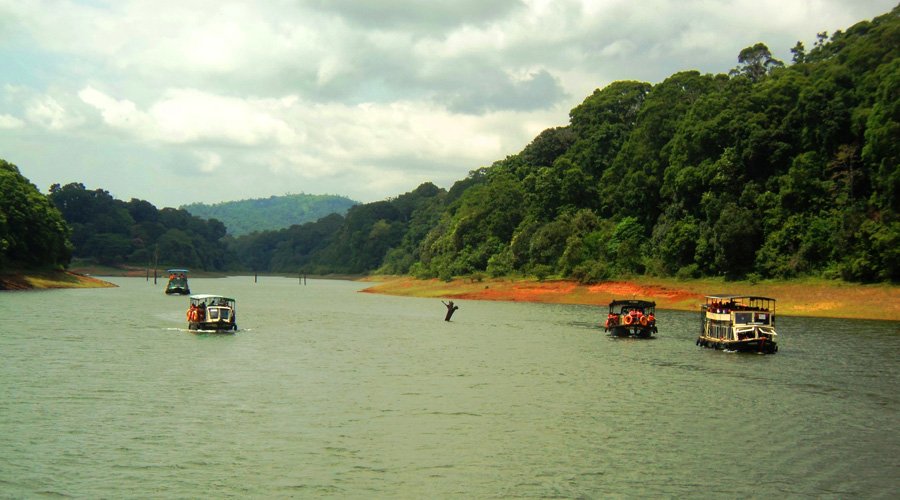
718 316
753 332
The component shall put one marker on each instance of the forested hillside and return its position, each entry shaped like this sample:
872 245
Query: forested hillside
369 236
33 233
267 214
772 170
110 231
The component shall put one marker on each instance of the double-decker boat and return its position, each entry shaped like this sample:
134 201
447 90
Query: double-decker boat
212 313
631 318
178 284
738 323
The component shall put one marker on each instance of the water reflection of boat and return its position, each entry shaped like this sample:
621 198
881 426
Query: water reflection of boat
213 313
178 283
635 318
738 323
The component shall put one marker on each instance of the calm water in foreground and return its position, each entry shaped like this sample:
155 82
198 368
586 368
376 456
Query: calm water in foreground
329 392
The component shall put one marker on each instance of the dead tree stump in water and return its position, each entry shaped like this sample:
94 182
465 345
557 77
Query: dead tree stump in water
450 309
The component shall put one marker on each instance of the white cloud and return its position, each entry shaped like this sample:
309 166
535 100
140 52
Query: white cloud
10 122
187 115
192 116
209 161
47 112
116 113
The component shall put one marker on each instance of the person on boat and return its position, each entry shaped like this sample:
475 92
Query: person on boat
201 311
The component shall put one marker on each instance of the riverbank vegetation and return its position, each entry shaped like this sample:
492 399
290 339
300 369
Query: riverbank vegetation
109 231
33 234
771 171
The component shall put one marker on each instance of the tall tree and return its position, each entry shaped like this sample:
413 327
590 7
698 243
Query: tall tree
32 231
756 62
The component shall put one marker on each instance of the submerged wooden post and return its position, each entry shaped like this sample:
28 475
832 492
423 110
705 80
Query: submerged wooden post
155 262
450 309
255 276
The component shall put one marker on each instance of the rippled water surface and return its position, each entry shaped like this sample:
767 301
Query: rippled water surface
329 392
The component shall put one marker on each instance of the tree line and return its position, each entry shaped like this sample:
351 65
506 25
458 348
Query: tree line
113 232
773 170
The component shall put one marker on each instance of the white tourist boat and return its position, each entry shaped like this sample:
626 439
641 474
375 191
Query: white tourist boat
738 323
212 313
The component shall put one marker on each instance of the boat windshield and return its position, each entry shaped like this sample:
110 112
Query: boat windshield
217 313
752 318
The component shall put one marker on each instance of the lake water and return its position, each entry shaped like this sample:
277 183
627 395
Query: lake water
327 392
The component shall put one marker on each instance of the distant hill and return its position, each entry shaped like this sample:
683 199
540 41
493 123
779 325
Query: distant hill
272 213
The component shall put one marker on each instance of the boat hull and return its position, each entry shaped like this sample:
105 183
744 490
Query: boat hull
638 331
177 290
212 326
760 345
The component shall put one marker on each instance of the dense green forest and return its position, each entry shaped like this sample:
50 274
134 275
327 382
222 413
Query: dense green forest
276 212
33 234
774 170
110 231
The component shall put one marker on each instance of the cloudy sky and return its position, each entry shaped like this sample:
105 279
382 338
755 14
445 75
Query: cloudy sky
177 101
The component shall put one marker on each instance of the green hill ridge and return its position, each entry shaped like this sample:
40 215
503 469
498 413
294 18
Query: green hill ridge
272 213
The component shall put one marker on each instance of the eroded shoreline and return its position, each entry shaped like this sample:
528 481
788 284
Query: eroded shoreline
794 298
44 280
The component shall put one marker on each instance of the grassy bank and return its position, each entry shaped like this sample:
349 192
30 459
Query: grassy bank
39 280
796 298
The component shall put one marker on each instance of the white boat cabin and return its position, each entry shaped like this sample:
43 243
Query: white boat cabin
738 322
212 312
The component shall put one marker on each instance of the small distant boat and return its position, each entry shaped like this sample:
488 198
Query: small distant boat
631 318
178 284
212 313
738 323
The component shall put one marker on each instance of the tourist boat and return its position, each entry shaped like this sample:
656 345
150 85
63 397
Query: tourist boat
634 318
738 323
178 284
213 313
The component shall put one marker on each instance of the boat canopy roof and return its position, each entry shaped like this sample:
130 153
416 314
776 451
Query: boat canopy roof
176 270
206 296
633 303
738 297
